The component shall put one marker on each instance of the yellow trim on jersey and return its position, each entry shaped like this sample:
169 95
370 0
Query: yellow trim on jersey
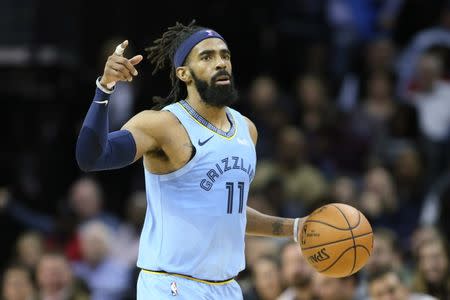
225 137
189 277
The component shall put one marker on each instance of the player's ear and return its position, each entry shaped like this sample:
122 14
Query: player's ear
183 74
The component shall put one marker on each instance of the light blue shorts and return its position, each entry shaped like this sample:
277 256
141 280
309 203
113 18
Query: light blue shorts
152 286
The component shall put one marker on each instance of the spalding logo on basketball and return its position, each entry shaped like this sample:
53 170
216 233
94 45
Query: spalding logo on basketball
336 239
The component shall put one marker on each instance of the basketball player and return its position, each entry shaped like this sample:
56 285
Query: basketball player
199 160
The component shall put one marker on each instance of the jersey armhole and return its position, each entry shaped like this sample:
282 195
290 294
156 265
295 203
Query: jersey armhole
188 165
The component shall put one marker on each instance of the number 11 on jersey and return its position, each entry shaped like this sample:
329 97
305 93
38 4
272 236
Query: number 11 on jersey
230 188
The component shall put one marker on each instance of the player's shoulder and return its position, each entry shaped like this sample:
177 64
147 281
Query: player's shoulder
152 120
251 126
252 129
250 123
160 114
157 116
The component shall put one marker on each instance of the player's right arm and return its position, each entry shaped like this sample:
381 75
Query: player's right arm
97 148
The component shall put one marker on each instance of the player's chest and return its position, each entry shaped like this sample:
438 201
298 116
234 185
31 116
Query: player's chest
219 175
213 153
223 160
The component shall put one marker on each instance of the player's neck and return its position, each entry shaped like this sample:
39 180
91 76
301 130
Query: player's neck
214 115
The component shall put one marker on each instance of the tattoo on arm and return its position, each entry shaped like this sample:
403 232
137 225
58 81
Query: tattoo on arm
259 224
277 227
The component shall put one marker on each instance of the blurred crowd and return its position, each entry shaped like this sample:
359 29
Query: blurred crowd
351 99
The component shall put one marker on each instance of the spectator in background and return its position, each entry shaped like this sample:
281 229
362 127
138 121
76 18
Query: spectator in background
301 35
371 119
432 101
107 278
385 252
378 58
331 145
433 269
378 194
328 288
55 280
379 104
29 249
84 203
266 278
409 176
343 190
403 126
380 203
297 274
126 238
379 55
443 219
255 248
17 284
302 183
314 110
397 145
388 284
355 22
421 235
423 41
266 204
436 207
276 194
268 110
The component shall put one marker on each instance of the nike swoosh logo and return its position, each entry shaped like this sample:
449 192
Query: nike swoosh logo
200 143
102 102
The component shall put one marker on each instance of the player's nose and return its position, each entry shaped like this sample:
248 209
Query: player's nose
220 64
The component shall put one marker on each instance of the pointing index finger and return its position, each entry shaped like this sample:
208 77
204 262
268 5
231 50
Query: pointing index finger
121 48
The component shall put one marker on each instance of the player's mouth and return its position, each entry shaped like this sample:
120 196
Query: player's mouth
223 80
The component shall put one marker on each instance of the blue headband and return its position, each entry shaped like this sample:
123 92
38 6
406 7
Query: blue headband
186 46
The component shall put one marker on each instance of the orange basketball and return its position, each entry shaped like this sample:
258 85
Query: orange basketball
336 239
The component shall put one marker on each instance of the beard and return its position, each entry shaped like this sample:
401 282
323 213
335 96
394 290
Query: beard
213 94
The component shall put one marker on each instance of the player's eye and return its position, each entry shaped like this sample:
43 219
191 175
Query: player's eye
226 56
206 57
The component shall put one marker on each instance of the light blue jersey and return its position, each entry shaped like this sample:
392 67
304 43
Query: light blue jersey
196 216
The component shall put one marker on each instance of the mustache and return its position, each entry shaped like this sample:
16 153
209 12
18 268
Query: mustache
221 73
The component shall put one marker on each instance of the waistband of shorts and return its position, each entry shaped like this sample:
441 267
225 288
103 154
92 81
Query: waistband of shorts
212 282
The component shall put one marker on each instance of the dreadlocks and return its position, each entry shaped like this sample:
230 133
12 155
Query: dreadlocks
161 54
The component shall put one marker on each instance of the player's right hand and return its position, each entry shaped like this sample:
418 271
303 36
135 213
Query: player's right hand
119 68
